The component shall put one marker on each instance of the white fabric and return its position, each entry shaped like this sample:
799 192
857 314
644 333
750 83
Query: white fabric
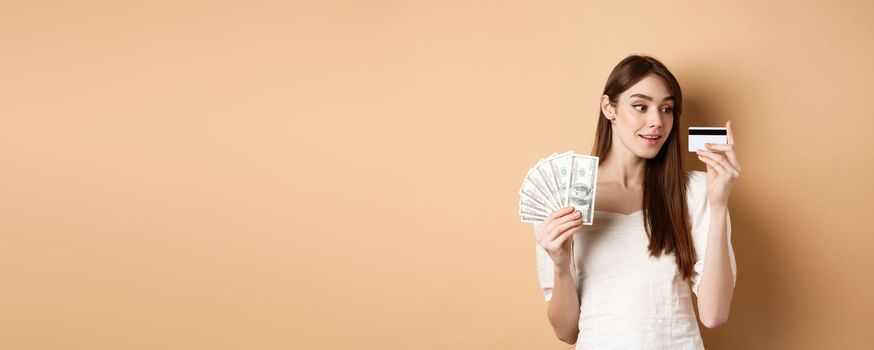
628 299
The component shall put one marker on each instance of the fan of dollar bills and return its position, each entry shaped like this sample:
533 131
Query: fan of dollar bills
556 182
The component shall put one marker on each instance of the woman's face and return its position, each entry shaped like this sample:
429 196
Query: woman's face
642 117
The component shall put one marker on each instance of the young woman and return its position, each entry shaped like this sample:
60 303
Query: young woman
659 235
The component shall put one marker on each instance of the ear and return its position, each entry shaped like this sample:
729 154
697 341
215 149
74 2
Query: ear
607 108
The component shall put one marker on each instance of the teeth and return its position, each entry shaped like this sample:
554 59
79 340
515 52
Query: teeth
649 137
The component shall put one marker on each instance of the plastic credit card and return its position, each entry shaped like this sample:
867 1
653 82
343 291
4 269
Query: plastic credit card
698 136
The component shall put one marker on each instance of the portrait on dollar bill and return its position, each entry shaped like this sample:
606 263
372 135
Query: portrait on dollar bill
581 195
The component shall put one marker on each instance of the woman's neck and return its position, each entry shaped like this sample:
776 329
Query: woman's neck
622 168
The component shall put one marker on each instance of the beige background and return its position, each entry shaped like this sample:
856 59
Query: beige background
326 175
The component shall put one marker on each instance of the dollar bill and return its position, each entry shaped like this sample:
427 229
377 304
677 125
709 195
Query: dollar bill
581 185
532 218
531 205
544 169
561 173
534 188
557 181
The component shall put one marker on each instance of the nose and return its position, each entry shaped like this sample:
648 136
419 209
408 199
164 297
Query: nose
654 118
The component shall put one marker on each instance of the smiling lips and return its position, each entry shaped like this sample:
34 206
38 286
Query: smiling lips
651 139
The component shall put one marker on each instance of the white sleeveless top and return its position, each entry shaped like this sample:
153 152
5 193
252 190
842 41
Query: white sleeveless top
629 300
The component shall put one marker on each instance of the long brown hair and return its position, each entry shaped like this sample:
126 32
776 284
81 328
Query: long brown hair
664 184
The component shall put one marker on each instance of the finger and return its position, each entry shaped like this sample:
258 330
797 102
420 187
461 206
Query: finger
722 160
558 220
712 166
716 147
561 212
558 230
732 156
712 155
563 235
715 157
729 153
719 158
730 133
575 215
720 165
562 238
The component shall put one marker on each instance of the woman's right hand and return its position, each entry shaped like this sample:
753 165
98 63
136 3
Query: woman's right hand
553 233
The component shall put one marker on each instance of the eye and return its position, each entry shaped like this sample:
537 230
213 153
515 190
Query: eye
642 107
668 110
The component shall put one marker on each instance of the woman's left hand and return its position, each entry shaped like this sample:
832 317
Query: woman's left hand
722 169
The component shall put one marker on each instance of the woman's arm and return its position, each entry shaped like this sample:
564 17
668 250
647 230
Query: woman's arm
717 284
555 235
717 279
563 310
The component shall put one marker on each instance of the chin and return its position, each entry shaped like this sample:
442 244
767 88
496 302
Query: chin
648 154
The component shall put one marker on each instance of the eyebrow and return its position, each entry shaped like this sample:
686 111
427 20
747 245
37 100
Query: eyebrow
671 98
